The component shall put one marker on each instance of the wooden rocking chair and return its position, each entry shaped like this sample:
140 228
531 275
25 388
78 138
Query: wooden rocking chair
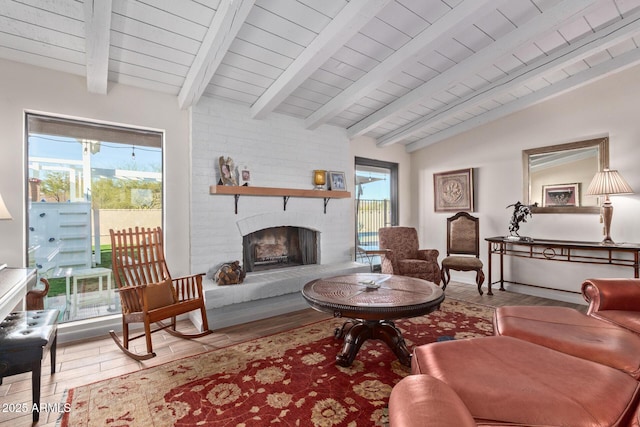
148 294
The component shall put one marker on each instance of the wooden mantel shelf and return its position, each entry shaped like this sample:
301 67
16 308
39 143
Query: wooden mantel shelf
285 193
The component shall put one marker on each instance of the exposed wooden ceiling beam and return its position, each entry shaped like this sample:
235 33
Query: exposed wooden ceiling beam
355 15
224 27
590 75
97 27
590 45
463 14
480 60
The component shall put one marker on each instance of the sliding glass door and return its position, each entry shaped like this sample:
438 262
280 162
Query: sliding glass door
376 187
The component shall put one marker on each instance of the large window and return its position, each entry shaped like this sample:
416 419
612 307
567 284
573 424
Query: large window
84 179
376 203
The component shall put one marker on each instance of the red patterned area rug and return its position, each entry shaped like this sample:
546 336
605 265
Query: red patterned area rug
288 379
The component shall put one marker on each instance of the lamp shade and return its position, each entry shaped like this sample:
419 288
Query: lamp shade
4 212
608 182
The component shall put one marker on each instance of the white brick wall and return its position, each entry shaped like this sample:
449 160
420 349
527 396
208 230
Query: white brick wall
279 152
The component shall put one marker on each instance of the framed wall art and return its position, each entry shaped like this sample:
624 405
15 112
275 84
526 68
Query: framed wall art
561 195
453 191
337 181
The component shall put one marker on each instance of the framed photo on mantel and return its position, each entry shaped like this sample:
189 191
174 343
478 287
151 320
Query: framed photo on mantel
453 191
337 181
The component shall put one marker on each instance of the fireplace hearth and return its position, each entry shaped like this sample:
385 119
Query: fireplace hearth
279 247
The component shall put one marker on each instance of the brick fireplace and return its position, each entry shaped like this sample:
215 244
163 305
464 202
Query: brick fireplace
280 152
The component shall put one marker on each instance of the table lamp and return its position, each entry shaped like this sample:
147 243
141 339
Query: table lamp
4 214
606 183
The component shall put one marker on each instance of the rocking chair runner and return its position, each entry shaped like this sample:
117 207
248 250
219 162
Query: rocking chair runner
148 294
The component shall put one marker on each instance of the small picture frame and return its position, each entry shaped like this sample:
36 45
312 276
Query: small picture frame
245 176
561 195
453 191
337 181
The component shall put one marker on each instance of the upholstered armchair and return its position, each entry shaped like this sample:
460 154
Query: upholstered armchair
402 256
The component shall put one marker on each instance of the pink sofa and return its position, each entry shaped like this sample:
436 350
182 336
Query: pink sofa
546 366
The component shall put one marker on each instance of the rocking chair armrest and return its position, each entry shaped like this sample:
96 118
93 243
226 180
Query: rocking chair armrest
188 287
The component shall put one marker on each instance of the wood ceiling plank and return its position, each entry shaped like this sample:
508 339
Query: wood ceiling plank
143 82
150 48
39 53
142 60
272 23
297 12
150 33
12 28
260 54
43 17
173 23
251 65
143 72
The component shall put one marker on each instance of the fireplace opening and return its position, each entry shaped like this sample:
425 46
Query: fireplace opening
279 247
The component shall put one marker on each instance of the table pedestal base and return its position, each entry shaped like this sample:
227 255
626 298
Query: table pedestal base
356 332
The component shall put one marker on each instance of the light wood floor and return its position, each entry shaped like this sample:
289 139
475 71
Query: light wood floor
93 360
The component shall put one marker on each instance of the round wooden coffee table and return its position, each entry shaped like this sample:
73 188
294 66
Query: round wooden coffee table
372 301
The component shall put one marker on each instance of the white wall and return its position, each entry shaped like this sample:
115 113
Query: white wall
607 107
279 152
28 88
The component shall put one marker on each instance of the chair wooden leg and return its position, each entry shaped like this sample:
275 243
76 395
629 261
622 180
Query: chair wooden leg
35 389
479 280
446 277
125 334
203 315
147 335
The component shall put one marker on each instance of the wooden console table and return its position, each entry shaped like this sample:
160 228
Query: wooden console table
562 250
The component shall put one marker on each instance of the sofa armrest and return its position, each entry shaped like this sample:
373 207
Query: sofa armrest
428 254
423 400
612 294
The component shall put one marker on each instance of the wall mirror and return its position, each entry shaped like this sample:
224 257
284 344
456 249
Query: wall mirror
557 177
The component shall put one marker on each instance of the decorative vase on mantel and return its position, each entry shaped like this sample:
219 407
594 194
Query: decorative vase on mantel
520 214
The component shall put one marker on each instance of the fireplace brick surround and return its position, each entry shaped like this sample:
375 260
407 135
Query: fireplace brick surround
279 152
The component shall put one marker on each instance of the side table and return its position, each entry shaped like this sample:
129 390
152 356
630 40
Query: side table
87 273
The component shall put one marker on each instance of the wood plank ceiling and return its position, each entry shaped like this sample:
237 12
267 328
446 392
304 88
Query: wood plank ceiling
412 72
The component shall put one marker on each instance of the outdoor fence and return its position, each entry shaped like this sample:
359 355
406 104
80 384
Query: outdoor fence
372 215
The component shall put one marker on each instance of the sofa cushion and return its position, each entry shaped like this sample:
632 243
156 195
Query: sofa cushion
572 332
504 379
